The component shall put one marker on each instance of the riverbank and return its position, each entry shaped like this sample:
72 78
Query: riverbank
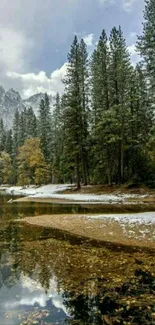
67 193
125 229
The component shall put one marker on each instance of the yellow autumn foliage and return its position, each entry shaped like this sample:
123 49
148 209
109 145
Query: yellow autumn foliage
5 167
32 167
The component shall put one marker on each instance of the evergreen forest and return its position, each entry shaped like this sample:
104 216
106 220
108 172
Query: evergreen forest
101 130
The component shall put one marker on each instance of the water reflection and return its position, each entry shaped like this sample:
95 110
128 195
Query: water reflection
54 281
9 211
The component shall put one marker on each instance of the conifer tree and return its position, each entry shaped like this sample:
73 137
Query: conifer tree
31 124
2 136
119 88
16 132
99 65
9 143
45 127
22 128
72 114
142 122
84 94
57 132
75 113
146 45
99 78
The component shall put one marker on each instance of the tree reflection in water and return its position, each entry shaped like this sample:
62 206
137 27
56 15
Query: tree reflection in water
45 280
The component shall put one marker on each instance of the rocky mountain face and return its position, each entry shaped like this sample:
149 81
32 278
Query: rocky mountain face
11 100
34 102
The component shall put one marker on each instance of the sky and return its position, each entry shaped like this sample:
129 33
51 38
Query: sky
36 35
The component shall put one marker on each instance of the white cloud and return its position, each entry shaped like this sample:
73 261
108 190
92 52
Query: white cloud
32 83
28 36
33 292
132 49
13 47
133 53
15 53
126 4
89 39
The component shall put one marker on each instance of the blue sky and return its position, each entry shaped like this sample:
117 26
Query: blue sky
35 37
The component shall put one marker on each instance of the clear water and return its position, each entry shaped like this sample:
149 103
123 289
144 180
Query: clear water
46 278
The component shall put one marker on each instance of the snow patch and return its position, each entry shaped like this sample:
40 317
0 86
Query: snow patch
44 191
51 191
139 218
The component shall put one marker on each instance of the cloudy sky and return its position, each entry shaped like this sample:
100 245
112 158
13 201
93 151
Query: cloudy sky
35 37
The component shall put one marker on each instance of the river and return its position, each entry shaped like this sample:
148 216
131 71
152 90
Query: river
46 278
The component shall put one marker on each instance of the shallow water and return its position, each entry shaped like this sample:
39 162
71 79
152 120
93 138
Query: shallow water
47 280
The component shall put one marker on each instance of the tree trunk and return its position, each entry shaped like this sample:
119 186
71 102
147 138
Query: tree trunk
109 179
122 163
122 149
85 175
78 171
84 167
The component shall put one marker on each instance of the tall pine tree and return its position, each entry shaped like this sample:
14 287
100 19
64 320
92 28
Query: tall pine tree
75 114
45 128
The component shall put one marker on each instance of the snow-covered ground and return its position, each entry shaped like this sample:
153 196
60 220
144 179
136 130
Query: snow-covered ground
139 226
140 218
46 191
52 191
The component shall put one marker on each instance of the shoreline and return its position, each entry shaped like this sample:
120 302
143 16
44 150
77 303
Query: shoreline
142 199
106 207
102 230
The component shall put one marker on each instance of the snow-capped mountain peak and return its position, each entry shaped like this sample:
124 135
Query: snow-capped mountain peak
11 100
34 101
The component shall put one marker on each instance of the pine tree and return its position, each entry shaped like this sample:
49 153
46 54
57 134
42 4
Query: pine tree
9 143
141 126
45 128
75 114
99 78
119 87
110 84
31 124
146 45
16 132
72 114
57 140
104 152
2 136
66 161
22 128
99 65
84 94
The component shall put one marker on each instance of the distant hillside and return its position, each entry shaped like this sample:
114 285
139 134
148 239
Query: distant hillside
35 100
11 100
